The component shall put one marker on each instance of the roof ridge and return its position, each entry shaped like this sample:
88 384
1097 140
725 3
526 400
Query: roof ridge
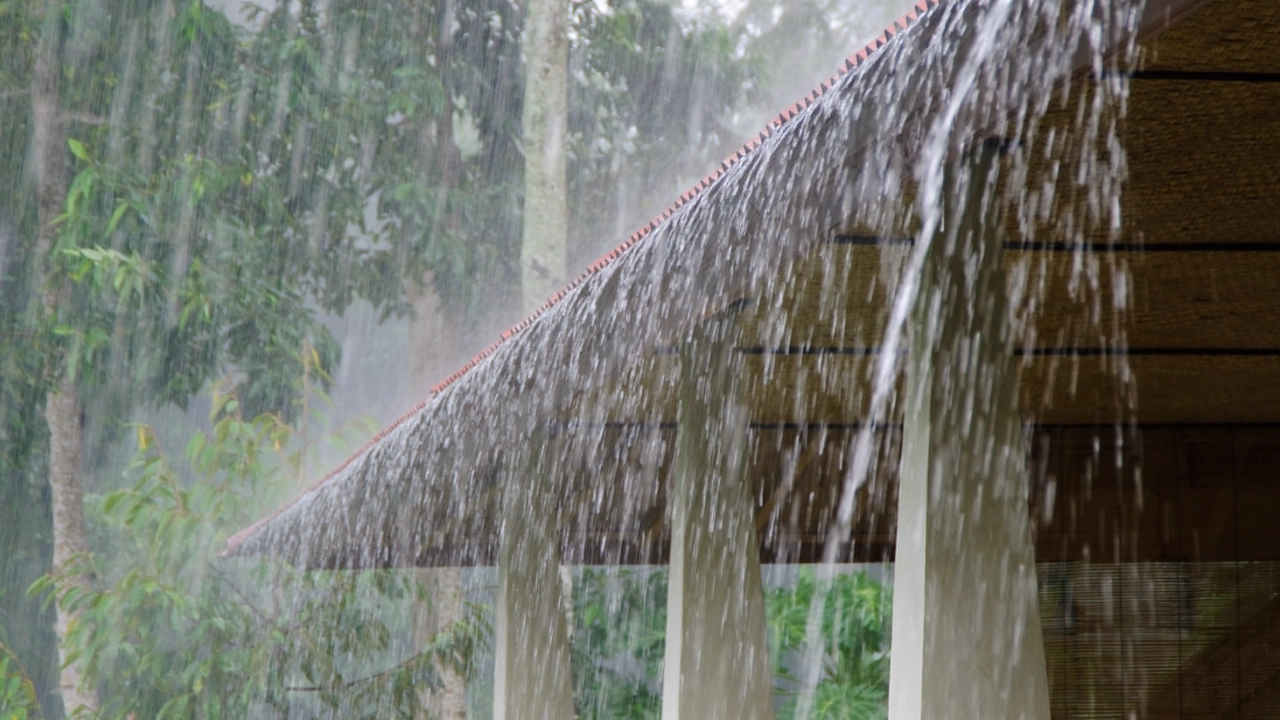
686 197
781 120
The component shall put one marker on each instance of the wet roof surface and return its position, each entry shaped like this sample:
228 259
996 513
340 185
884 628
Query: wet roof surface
785 117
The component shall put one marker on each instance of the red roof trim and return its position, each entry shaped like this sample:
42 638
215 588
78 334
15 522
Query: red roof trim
778 122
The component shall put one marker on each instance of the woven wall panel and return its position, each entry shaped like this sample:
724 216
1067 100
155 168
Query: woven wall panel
1162 641
1228 35
1170 299
1201 158
1176 494
837 298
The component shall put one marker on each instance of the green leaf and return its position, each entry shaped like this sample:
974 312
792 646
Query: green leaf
77 149
116 216
112 501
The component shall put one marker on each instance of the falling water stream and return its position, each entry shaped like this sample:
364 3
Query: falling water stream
909 319
534 417
995 39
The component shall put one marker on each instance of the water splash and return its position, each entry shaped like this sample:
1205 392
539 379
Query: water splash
598 360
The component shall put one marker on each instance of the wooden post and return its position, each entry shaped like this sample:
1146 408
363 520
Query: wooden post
532 676
967 642
716 657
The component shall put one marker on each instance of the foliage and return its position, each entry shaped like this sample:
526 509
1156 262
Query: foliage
854 632
838 701
17 693
25 626
230 185
620 622
171 630
651 105
618 638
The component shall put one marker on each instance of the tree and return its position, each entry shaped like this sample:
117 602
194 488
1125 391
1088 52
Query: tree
210 238
543 251
169 629
62 402
229 185
652 110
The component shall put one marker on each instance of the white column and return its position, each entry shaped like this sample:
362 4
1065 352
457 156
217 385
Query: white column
716 663
967 641
532 675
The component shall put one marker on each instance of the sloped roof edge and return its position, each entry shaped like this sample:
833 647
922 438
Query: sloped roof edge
1157 15
786 116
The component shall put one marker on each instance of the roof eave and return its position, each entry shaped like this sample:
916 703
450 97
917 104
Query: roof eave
348 518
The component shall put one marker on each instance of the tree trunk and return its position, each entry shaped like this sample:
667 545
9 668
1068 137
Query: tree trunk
62 406
62 413
543 253
162 44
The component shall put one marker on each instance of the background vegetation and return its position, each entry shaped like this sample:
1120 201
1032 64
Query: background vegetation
231 184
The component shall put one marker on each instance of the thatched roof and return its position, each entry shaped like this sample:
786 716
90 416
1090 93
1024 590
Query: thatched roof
809 225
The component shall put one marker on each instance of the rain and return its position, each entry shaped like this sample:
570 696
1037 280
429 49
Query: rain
839 359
